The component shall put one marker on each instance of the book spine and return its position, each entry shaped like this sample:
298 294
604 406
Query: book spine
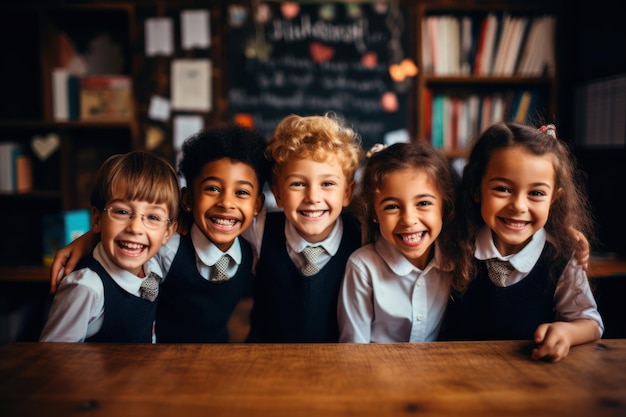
59 94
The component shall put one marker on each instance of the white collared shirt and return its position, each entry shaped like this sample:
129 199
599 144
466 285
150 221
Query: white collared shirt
385 298
295 242
77 311
573 298
206 253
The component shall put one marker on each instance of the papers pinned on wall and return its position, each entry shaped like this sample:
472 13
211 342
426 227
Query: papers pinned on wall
159 36
191 85
195 29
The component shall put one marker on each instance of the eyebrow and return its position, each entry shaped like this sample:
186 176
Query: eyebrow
534 184
218 179
418 197
322 177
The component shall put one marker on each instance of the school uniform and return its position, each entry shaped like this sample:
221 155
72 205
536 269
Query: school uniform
539 290
288 306
193 309
385 298
101 302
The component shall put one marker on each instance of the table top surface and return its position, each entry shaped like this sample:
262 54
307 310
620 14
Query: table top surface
425 379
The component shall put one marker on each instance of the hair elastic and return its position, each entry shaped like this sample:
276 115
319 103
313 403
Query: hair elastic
376 148
549 130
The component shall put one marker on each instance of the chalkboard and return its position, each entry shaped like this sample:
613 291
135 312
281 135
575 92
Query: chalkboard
307 59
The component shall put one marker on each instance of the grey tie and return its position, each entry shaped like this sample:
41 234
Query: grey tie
499 271
310 254
218 272
150 287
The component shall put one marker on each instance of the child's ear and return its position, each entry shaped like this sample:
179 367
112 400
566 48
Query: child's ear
559 192
96 218
260 200
274 190
186 199
172 227
347 199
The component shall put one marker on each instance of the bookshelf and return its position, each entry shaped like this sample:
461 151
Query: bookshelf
91 40
476 68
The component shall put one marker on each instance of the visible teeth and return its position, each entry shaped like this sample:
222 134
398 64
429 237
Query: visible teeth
517 224
317 213
225 222
414 237
131 245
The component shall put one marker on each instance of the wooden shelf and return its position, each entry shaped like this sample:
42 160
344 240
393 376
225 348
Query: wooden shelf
24 274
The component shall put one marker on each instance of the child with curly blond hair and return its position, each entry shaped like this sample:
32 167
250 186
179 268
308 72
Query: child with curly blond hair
314 160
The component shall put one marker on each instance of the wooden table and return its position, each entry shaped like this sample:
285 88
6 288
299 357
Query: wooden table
421 379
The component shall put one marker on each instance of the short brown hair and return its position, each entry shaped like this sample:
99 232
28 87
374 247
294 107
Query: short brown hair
137 175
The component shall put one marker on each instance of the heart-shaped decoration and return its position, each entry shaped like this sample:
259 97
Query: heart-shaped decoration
389 102
289 9
404 69
43 147
320 52
369 60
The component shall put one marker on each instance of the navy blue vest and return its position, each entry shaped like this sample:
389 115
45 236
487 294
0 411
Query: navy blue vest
488 312
194 310
289 307
127 318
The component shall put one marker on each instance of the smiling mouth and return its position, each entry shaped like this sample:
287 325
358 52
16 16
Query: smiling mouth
224 222
514 223
131 247
313 214
412 237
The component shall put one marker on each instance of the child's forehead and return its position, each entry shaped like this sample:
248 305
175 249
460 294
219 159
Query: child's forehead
226 167
328 163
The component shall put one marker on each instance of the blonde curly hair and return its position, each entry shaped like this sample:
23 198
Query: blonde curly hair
319 138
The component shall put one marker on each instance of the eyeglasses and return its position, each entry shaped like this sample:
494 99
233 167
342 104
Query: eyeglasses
124 216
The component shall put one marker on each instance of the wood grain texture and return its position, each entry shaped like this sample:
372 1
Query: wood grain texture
423 379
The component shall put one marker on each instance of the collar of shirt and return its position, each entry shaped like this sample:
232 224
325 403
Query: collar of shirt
523 261
129 282
331 244
208 253
399 264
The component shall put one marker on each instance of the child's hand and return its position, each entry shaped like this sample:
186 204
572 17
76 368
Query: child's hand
553 341
66 259
63 264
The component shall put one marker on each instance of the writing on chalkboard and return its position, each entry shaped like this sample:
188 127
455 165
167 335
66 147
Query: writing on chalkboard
315 58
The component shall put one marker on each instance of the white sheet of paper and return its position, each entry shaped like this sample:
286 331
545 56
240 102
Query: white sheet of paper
159 108
195 29
191 84
396 136
185 126
159 36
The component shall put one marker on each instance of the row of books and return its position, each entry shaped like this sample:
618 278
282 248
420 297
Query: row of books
498 45
16 170
93 97
451 122
600 109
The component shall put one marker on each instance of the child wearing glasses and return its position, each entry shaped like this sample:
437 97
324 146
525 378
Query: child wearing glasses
110 297
208 267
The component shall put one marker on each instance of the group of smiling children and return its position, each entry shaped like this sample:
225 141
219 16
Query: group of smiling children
408 259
